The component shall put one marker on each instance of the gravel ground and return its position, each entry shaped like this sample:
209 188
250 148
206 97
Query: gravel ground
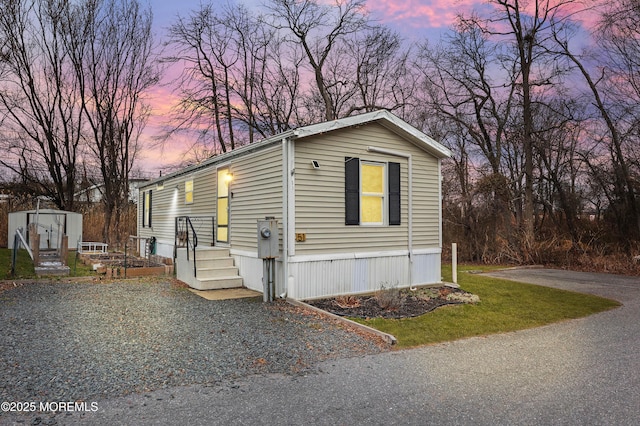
88 341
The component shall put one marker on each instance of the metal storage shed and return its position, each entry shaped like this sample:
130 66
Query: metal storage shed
52 224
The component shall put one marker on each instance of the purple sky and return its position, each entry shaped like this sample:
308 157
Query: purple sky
415 20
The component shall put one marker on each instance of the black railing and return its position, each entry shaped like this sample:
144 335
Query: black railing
187 237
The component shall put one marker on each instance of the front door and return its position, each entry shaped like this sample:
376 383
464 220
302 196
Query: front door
222 211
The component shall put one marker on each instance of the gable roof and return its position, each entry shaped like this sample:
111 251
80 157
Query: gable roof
386 119
383 117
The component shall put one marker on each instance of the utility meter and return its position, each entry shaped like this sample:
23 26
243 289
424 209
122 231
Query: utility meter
267 238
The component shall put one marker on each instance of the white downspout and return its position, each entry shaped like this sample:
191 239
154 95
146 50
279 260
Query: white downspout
409 201
288 210
285 218
440 211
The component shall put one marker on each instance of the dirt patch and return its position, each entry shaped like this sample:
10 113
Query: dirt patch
393 303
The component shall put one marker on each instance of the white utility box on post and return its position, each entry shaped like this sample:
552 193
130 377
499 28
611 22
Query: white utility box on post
268 251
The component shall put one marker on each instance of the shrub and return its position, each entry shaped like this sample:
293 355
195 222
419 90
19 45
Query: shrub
388 298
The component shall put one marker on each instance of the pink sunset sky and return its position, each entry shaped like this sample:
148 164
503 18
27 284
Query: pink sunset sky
415 20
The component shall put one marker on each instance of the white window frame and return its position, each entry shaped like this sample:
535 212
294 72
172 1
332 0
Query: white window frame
187 192
385 195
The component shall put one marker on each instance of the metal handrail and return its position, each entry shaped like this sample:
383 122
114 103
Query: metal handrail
24 242
194 245
186 236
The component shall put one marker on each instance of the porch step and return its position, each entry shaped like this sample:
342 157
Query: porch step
50 264
214 263
220 282
205 273
212 253
214 269
51 268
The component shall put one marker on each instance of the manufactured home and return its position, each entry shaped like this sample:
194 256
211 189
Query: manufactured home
357 203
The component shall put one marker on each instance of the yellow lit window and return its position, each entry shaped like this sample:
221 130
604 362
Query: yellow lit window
372 194
188 192
146 210
222 210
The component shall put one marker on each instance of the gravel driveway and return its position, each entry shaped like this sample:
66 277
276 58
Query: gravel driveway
88 341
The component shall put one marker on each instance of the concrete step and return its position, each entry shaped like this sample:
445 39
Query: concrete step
218 282
52 268
211 253
215 269
218 262
229 271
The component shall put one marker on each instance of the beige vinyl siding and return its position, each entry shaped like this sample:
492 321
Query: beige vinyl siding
255 192
320 199
169 202
426 201
160 204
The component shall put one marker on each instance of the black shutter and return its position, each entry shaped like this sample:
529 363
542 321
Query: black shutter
352 190
150 205
394 193
144 211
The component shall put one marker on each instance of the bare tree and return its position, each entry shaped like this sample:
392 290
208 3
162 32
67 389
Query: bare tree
473 98
619 37
527 26
616 110
463 84
75 74
265 79
384 77
39 98
200 41
321 31
487 80
561 169
235 85
114 61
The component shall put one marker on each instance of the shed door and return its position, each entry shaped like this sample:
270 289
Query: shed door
222 210
51 227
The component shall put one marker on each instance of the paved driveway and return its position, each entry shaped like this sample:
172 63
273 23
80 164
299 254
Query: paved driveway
579 372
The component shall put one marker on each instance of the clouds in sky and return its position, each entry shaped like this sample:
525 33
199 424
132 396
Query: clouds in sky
414 20
420 14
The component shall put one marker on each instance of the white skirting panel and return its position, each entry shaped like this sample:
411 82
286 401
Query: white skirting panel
324 277
250 269
426 268
184 268
163 248
317 278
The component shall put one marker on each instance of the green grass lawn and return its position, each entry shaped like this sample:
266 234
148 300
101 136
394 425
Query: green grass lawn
504 306
24 265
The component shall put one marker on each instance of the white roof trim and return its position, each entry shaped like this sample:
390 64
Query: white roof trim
386 118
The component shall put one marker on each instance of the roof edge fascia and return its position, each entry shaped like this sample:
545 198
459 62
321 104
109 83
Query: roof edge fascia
388 120
221 158
384 117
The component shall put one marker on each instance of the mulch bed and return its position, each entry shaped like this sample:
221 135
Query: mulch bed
405 304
